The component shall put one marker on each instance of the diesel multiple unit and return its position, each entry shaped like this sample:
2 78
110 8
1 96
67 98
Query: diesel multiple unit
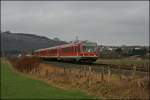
81 51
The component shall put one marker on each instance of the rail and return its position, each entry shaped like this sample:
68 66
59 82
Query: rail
102 68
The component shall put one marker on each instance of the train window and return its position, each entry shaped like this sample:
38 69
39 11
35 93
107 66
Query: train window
49 51
77 49
68 49
89 48
52 51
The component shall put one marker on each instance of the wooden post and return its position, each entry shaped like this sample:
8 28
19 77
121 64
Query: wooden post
39 73
90 69
64 70
119 71
109 74
102 74
70 70
89 83
134 70
85 71
46 73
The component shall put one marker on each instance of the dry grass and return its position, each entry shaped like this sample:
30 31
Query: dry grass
93 83
103 85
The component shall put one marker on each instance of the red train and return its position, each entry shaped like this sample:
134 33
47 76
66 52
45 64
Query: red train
81 51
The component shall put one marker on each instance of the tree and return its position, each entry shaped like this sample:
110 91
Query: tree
119 52
56 39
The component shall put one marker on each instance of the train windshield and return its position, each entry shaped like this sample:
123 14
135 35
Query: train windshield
89 47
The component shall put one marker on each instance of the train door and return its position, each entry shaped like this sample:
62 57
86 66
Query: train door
58 53
76 50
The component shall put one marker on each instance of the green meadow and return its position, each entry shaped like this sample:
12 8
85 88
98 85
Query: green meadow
18 86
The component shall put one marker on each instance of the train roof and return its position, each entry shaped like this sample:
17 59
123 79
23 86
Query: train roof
47 48
64 45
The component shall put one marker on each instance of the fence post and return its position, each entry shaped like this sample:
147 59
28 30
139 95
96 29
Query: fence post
46 73
64 70
102 74
134 70
119 71
89 83
85 72
90 69
109 74
39 73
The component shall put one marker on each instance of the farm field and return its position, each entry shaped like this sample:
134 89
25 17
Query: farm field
122 61
15 86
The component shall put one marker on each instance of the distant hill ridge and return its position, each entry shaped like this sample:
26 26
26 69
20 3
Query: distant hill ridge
12 43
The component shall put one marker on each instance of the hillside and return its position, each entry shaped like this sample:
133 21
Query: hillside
12 43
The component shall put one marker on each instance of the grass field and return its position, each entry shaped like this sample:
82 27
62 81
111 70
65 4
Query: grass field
15 86
122 61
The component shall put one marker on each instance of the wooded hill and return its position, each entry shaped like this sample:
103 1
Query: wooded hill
14 43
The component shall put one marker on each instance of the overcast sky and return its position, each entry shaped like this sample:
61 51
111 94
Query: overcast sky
104 22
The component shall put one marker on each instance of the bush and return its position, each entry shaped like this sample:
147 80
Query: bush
25 64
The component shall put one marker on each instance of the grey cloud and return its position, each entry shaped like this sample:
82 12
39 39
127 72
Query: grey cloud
110 23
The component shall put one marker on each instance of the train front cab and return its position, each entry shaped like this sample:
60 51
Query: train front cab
88 52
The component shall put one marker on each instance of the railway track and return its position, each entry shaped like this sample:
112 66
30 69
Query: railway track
126 67
101 68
